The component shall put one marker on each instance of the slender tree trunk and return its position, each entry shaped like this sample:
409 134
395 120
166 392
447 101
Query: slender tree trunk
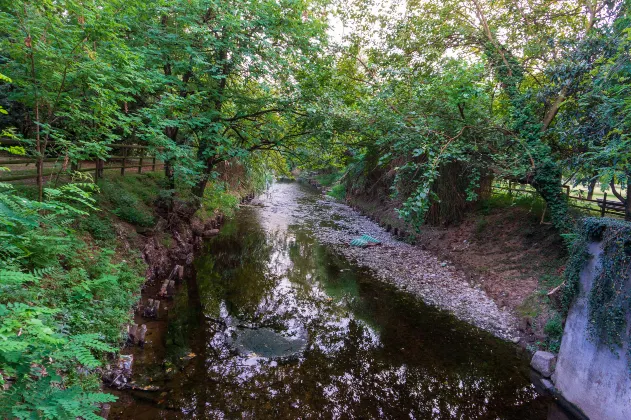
40 156
38 136
627 203
590 188
169 171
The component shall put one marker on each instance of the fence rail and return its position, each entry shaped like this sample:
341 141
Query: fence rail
602 206
125 158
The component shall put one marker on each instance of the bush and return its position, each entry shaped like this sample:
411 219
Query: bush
554 331
217 198
338 192
326 180
127 205
61 310
134 215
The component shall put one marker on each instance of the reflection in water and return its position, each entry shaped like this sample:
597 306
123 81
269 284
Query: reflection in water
358 348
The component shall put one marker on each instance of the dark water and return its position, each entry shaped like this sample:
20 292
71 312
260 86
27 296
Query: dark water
278 327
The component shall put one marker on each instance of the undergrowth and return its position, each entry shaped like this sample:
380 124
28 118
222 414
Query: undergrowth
338 192
218 197
327 180
131 197
63 303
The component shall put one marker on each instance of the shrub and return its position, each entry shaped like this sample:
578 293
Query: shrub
338 192
62 307
127 205
217 198
554 331
326 180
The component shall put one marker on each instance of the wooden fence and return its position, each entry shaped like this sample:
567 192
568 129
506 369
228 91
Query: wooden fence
600 206
129 157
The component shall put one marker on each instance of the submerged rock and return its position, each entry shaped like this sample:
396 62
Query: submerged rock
265 342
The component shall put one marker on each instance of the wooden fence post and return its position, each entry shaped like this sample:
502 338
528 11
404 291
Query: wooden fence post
96 170
124 161
142 153
510 188
153 167
603 209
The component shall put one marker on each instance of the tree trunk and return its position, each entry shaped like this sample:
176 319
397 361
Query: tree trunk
590 188
169 172
548 183
627 203
40 156
200 186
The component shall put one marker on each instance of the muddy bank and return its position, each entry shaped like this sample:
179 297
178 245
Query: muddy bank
500 247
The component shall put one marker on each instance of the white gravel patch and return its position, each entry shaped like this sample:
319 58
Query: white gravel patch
410 268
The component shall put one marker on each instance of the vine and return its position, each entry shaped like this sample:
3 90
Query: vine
609 298
538 166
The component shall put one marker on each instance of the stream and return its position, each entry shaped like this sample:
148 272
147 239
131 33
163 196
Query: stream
278 326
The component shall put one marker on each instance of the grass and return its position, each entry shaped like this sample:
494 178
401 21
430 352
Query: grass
131 197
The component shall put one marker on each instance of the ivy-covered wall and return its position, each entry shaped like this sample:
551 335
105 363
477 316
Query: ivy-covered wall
609 298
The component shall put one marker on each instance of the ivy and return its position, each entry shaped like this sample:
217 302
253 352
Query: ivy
609 298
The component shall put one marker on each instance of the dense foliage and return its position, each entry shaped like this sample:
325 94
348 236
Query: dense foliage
62 305
425 101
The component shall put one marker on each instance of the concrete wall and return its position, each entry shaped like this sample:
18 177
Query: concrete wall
587 374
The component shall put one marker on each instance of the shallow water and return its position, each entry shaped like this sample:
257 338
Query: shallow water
277 326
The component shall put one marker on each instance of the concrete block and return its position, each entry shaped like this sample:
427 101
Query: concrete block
544 362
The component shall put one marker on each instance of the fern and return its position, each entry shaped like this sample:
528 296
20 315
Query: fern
16 278
50 321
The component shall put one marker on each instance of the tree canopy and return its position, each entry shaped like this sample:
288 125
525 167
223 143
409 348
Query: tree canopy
532 91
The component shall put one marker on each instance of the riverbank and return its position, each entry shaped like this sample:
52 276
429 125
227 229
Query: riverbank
434 280
75 273
500 247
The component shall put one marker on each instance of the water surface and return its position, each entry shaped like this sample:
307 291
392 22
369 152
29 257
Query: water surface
276 326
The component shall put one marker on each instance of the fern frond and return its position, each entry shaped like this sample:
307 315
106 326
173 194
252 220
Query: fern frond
16 277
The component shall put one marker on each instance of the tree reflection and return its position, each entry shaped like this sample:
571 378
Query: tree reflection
372 352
